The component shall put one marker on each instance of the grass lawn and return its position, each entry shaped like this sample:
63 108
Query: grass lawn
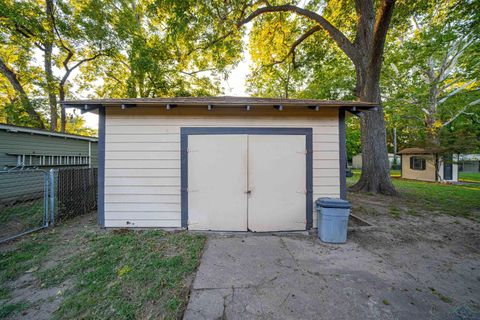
20 217
107 274
395 173
455 200
469 176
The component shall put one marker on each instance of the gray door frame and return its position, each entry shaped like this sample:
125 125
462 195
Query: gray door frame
185 132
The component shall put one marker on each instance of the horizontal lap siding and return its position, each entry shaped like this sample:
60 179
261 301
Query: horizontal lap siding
13 143
142 158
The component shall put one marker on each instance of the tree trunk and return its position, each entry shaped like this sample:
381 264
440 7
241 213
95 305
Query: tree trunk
63 115
370 41
375 175
17 86
52 96
49 37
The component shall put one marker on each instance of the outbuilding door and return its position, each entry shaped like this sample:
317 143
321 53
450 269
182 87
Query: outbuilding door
247 182
447 168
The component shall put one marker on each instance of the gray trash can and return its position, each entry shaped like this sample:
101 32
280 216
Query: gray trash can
333 219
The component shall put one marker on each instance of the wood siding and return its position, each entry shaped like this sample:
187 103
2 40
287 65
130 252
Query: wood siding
142 157
425 175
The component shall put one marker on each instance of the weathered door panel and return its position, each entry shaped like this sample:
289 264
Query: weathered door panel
217 182
447 168
276 182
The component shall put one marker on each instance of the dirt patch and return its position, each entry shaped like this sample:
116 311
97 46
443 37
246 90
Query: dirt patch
77 270
39 302
439 251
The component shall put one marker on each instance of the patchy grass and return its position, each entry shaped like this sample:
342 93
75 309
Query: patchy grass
116 275
469 176
455 200
395 212
25 257
12 308
21 216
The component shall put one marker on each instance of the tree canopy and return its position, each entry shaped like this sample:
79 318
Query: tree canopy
436 37
52 50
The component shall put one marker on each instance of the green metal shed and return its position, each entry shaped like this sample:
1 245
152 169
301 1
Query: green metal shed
33 148
23 149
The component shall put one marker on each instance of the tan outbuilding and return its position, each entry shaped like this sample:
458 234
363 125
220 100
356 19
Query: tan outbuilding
222 163
428 165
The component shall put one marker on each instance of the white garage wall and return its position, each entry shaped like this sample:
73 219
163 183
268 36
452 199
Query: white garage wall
142 157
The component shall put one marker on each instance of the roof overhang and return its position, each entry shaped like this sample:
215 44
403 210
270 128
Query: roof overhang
15 129
210 103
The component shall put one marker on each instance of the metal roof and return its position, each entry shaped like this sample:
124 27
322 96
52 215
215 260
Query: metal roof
225 101
12 128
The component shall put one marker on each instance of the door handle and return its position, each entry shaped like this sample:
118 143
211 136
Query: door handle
248 191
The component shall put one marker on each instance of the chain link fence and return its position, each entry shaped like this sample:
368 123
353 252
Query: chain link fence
33 199
23 202
75 192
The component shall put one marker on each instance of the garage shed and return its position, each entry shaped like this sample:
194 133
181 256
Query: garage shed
219 163
428 165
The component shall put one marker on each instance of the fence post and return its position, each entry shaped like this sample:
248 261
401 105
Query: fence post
52 196
46 189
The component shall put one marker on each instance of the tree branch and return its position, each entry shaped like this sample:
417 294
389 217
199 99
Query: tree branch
300 40
450 60
462 111
342 41
76 65
194 73
291 51
454 92
18 87
384 16
28 34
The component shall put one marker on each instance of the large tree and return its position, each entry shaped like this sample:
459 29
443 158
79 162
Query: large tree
364 47
168 48
431 83
133 48
25 103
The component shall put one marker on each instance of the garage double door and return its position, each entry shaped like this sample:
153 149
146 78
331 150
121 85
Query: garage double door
247 182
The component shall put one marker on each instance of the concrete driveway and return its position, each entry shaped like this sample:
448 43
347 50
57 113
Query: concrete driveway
298 277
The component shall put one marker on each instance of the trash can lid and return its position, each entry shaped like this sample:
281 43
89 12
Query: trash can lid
333 203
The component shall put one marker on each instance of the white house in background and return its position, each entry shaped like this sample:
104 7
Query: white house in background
469 163
357 160
223 163
428 165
